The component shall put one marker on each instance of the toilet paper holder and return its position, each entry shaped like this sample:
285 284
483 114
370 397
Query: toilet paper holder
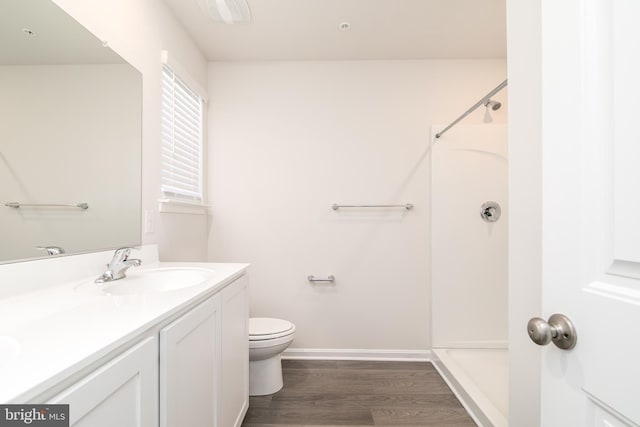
330 279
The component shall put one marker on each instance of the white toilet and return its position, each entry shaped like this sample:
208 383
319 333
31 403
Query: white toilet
268 338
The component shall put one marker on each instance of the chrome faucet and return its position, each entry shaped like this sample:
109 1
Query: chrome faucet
119 265
51 250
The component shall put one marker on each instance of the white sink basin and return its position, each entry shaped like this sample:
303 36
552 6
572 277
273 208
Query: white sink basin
9 350
156 280
151 280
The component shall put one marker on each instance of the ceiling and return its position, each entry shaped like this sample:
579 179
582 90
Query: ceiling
59 38
380 29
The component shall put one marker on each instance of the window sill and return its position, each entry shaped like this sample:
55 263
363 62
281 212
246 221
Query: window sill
181 207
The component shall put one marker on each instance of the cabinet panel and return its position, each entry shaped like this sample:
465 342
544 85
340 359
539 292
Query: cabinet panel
123 392
234 377
189 357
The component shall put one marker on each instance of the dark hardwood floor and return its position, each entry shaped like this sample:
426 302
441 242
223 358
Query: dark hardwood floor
356 393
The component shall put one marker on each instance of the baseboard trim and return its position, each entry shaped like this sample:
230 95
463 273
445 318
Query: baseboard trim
358 354
474 344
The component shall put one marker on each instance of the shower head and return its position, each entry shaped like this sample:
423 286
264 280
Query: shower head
491 105
494 105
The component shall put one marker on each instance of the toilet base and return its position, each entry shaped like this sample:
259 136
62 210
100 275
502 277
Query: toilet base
265 376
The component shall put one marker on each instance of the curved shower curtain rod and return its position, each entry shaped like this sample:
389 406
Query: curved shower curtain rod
476 105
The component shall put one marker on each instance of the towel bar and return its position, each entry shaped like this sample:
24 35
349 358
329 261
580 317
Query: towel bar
47 205
336 206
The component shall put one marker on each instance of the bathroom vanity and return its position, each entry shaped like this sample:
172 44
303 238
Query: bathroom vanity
132 354
165 346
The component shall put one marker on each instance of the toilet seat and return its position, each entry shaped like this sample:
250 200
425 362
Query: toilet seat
266 328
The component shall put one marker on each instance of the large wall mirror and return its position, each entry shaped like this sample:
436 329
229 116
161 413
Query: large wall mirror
71 132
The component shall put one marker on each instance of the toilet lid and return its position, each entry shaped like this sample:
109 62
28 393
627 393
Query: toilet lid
265 328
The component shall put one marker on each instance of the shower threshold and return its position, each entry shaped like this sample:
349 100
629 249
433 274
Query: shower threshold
479 378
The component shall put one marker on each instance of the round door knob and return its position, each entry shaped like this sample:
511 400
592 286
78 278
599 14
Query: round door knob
539 331
559 329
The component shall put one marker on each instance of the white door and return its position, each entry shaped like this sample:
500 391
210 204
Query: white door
574 75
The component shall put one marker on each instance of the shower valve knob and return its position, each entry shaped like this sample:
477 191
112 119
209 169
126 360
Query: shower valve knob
490 211
559 329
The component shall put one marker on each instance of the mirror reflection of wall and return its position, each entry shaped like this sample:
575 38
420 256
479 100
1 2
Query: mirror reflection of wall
70 115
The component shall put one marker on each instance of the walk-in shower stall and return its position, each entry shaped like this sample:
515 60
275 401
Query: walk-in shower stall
469 262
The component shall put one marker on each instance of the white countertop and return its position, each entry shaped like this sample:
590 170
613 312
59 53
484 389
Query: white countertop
60 330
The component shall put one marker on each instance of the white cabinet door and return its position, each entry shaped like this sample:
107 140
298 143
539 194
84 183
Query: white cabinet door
189 368
123 392
234 376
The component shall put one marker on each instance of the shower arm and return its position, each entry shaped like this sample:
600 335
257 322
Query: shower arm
476 105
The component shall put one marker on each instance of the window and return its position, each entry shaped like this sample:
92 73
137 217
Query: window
182 134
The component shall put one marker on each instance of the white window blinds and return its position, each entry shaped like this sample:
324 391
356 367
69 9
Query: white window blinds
181 140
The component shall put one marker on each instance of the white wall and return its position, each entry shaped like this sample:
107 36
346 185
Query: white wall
139 30
468 254
73 136
287 140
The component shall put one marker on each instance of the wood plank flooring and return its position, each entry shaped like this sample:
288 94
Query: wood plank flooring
357 393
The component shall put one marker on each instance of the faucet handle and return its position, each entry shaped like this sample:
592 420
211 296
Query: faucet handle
127 249
122 254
